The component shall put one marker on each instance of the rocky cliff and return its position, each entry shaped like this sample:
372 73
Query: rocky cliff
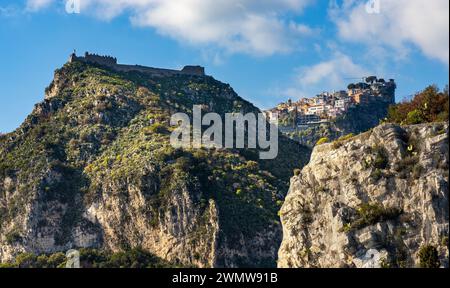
92 167
379 199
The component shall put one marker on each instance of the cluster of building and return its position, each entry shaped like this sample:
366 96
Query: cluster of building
329 105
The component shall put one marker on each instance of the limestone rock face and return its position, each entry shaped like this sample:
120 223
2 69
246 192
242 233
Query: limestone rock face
372 201
182 233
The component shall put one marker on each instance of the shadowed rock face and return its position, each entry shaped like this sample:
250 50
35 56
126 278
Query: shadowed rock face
374 200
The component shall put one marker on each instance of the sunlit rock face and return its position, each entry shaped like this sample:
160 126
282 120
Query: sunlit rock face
374 200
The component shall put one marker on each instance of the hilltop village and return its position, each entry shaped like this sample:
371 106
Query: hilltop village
329 105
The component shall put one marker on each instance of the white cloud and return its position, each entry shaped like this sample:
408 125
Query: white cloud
328 75
11 11
5 11
256 27
400 23
35 5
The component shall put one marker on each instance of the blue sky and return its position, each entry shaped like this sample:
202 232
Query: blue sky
268 50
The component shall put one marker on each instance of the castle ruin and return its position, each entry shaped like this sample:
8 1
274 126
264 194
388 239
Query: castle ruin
111 62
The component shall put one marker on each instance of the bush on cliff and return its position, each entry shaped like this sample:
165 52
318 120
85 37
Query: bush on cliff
322 141
428 256
92 258
430 105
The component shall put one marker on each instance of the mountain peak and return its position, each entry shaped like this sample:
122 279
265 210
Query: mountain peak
94 165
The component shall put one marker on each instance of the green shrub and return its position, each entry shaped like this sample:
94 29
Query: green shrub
157 128
417 171
42 261
444 241
92 258
385 264
339 142
376 175
374 212
370 214
26 260
297 172
429 257
323 140
381 158
347 137
252 165
13 237
56 260
414 117
346 228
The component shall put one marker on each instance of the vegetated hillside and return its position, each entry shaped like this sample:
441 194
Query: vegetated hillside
92 167
379 199
92 258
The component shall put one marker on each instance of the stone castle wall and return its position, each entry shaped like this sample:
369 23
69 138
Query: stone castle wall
111 62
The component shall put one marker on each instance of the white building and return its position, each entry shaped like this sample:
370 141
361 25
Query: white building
342 103
316 110
292 108
272 116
